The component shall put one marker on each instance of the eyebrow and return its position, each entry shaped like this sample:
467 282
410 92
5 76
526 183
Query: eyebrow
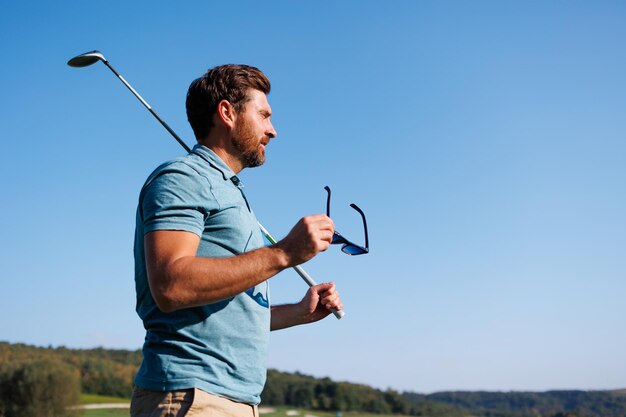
265 112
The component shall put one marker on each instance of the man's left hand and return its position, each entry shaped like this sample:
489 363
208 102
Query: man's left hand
318 302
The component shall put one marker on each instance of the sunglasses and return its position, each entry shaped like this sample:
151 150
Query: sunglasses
348 247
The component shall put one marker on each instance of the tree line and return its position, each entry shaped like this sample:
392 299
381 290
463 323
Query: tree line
302 391
45 382
100 371
571 403
30 376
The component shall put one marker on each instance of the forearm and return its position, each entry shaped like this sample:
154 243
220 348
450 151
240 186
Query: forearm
191 281
287 315
316 304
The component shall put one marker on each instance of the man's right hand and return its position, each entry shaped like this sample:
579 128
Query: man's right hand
310 236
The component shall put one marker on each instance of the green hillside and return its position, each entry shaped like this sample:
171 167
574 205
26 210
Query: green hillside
531 404
109 372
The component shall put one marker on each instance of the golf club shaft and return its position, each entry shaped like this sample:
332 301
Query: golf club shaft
303 274
145 103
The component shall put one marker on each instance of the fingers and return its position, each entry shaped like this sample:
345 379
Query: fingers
319 301
328 296
310 236
320 227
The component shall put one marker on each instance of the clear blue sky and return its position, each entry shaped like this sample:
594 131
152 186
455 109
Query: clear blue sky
485 141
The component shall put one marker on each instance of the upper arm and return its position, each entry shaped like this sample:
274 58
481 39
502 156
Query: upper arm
173 206
162 248
176 198
165 246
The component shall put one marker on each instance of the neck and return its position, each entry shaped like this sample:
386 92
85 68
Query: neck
227 155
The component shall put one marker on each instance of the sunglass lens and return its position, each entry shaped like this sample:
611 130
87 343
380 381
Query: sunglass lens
353 250
337 238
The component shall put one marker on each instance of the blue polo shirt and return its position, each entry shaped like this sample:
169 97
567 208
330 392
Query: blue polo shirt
221 347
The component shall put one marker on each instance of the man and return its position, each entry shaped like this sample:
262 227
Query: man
201 265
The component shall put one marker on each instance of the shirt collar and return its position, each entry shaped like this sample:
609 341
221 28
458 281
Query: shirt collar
216 162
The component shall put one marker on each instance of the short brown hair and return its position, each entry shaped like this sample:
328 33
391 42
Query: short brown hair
227 82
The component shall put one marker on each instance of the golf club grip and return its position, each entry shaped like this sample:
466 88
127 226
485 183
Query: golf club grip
307 278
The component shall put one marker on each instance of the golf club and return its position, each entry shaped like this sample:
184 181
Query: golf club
90 58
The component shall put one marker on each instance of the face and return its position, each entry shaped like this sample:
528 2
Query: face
253 130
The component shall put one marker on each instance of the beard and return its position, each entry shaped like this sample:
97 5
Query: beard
251 153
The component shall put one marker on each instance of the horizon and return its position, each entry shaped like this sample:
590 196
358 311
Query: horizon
346 381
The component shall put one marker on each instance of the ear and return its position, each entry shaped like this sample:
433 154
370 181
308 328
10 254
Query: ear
226 113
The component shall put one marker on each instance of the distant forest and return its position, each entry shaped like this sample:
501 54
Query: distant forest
111 372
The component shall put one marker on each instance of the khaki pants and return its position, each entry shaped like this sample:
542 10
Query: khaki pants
186 403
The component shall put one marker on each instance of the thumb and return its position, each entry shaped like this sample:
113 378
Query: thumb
325 286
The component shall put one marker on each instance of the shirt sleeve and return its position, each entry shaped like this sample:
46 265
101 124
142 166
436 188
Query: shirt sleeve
176 198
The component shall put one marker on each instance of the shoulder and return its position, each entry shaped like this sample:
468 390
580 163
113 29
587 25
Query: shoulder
184 171
182 165
181 179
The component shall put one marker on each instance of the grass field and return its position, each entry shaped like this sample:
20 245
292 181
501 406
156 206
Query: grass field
287 411
88 399
279 412
100 399
116 412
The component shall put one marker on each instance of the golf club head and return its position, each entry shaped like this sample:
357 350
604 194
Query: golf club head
86 59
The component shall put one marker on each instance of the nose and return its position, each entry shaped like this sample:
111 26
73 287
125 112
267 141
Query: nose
271 132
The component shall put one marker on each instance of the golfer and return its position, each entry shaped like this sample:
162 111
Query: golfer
201 267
